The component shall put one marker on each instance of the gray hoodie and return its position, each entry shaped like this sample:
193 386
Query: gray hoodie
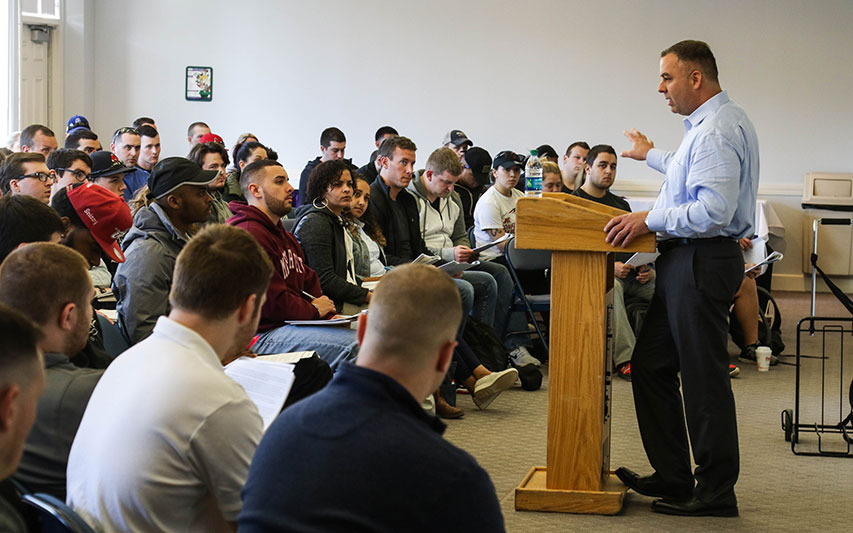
444 228
141 284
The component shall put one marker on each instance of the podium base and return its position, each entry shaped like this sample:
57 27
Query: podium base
533 495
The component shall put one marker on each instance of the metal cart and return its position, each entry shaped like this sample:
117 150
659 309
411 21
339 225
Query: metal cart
821 423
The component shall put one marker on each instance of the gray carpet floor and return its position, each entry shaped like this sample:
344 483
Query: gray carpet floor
777 490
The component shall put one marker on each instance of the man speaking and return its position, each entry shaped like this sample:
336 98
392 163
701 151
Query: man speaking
706 203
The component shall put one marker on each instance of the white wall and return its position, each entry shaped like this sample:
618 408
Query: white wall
512 75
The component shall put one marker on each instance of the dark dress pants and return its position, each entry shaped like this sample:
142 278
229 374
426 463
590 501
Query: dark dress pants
685 331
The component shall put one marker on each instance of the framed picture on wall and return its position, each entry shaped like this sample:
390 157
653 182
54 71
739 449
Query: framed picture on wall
199 84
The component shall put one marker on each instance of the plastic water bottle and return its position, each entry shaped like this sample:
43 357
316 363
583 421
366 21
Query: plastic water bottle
533 175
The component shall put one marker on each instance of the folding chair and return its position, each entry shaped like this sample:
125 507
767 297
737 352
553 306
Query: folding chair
54 516
521 260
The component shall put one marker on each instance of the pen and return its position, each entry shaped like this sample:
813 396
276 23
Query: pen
308 296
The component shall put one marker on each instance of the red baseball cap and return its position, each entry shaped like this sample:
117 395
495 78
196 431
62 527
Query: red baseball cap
105 215
211 138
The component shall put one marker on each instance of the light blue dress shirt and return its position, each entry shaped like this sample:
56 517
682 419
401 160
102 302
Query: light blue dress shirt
712 179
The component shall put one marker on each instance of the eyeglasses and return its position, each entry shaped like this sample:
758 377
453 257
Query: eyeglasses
79 175
43 177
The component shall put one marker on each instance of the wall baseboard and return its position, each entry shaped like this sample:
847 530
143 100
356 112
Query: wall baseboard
629 187
803 283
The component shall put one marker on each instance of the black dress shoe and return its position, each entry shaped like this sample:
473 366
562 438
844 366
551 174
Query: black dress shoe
726 506
652 485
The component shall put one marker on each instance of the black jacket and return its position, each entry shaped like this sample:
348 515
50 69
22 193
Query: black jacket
321 235
469 199
380 206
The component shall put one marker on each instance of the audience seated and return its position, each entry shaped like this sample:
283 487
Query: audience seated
547 154
333 144
213 156
477 166
144 121
179 199
84 140
249 152
746 310
241 139
77 123
21 385
326 239
38 138
49 284
457 141
167 438
371 169
26 174
494 215
23 219
68 167
552 178
370 458
125 146
149 152
573 165
294 292
630 283
108 172
370 255
196 131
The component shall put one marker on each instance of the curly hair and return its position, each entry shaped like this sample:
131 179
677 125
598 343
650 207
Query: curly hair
322 177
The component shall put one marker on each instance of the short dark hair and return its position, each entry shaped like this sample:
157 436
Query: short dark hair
598 149
121 131
386 149
142 120
546 150
13 167
582 144
698 53
74 138
19 339
41 278
64 157
147 131
28 133
248 174
246 150
64 208
220 256
383 131
331 135
322 176
200 150
25 219
193 126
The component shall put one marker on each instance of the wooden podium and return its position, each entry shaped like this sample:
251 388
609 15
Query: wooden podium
577 478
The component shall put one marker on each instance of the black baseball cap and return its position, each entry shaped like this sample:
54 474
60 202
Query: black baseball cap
105 164
480 163
457 138
173 172
508 159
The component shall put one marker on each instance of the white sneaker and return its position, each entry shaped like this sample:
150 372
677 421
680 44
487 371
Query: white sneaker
487 388
521 357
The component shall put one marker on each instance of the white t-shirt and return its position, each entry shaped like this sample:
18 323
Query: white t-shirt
166 440
494 211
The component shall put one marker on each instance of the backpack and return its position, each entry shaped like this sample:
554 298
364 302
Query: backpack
489 349
769 329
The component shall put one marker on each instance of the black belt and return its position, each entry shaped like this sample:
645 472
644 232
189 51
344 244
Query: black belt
669 244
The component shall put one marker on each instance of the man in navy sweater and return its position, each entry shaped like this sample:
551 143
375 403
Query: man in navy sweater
362 454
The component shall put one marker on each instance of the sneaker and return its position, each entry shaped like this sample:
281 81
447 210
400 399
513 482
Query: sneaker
521 357
624 371
733 371
487 388
747 355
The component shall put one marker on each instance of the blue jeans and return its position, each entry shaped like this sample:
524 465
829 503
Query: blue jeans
334 344
466 292
485 295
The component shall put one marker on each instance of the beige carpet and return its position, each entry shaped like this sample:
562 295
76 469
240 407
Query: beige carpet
777 490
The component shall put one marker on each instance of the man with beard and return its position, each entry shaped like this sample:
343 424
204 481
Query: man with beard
166 441
213 156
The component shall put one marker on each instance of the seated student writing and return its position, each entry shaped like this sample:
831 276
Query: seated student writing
325 236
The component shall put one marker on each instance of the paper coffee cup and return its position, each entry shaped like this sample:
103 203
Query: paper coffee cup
762 358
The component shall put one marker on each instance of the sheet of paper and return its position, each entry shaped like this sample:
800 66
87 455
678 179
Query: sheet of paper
266 383
340 321
425 259
453 267
757 253
642 258
289 357
369 285
493 243
770 259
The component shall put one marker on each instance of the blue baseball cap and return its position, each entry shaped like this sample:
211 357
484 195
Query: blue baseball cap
77 122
